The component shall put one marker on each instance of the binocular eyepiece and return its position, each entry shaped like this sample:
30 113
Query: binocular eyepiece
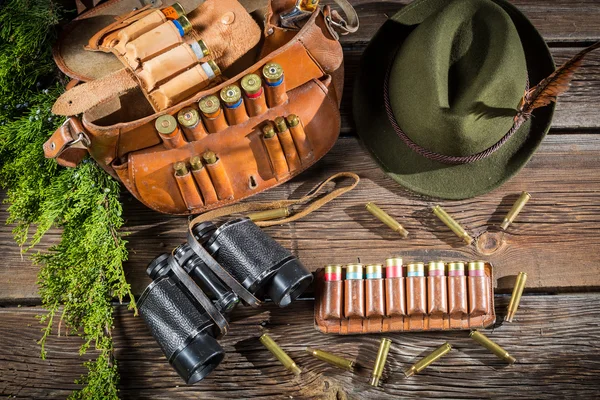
186 330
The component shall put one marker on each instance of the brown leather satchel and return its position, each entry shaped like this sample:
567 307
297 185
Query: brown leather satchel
133 81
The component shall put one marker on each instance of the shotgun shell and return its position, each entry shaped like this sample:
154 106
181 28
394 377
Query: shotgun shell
374 271
200 50
456 268
354 271
180 168
428 360
252 85
386 219
268 131
333 272
476 268
273 74
210 106
393 267
279 354
436 268
515 299
280 124
452 224
491 346
188 117
231 96
209 157
382 354
165 124
268 215
515 210
415 269
183 24
332 359
174 11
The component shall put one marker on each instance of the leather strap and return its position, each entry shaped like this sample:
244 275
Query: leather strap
335 22
68 144
256 206
83 97
199 296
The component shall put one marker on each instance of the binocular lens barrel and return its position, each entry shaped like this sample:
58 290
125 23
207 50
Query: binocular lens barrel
183 330
254 259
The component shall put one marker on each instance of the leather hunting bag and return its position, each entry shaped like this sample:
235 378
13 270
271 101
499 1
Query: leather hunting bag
126 86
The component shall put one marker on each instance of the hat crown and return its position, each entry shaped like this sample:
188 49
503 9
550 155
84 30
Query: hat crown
458 77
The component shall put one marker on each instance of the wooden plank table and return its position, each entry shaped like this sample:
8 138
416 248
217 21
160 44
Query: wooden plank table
556 240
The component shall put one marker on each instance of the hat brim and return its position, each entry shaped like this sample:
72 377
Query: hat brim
416 172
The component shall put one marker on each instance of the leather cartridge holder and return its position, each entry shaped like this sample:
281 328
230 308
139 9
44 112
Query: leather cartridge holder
398 304
115 111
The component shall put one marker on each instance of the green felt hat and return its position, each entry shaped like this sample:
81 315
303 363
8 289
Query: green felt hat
437 92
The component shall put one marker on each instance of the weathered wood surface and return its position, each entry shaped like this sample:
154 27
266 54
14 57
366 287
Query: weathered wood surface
557 348
555 239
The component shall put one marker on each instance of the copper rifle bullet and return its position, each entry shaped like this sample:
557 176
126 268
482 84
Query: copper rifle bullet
491 346
515 299
382 354
428 360
386 219
452 224
332 359
279 354
515 210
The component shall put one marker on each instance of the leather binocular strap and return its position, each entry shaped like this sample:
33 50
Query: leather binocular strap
239 208
199 295
68 144
336 23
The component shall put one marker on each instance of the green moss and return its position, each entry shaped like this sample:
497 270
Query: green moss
80 275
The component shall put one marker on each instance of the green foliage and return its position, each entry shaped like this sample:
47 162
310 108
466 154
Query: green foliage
81 274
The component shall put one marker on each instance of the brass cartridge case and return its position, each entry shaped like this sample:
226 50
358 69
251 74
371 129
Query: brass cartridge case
209 157
515 299
491 346
268 215
180 168
279 354
428 360
386 219
382 354
332 359
452 224
515 210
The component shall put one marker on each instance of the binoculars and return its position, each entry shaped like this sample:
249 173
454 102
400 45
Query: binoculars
192 291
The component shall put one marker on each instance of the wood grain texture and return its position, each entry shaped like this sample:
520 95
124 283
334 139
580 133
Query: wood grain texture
557 21
557 349
555 239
